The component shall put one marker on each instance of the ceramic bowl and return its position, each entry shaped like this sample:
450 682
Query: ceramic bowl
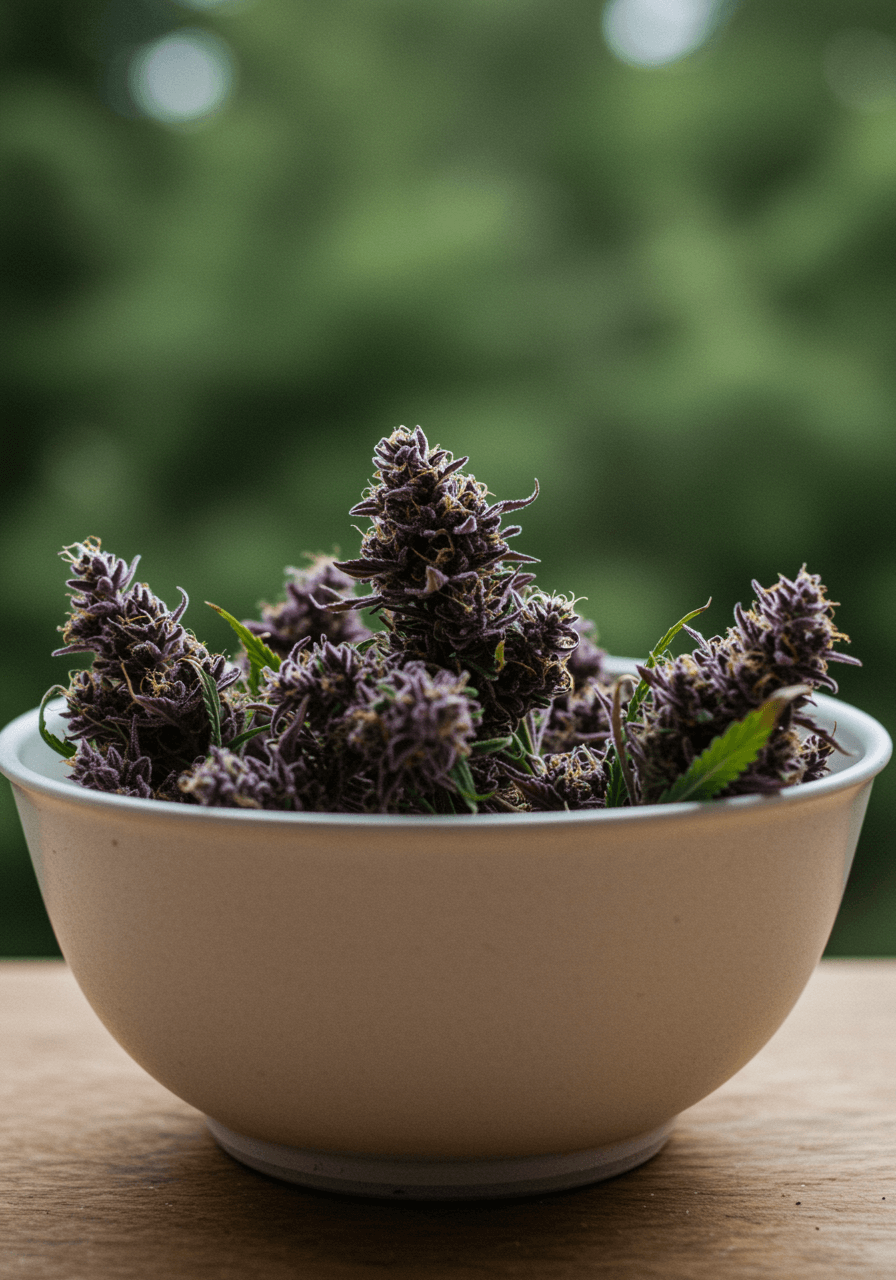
443 1006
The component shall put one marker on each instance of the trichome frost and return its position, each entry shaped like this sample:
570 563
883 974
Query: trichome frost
480 692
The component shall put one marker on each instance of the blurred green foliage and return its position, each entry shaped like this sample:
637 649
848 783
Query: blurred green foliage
666 292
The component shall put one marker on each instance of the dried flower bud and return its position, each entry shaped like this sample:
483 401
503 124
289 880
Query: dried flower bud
532 669
787 637
112 771
412 730
574 779
433 528
580 717
304 613
586 661
323 679
144 683
231 781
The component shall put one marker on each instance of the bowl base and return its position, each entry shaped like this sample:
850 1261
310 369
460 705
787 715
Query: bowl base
418 1179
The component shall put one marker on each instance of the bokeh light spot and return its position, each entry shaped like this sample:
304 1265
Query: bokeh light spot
184 76
653 33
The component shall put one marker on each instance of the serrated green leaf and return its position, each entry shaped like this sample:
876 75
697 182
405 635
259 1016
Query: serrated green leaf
257 651
61 746
733 751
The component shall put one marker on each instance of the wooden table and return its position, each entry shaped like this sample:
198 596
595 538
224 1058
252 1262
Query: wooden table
788 1171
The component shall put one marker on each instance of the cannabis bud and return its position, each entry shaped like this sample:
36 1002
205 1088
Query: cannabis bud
145 695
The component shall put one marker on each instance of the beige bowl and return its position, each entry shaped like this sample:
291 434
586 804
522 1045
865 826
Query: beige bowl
429 1006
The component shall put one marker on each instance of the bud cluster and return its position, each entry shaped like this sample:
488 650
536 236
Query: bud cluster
479 692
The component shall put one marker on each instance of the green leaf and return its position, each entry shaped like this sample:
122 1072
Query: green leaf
518 753
424 804
466 786
733 751
475 666
245 736
257 651
622 782
485 746
616 788
62 746
212 701
656 655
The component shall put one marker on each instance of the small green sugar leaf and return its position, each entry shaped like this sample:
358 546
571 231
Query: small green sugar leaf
212 701
463 780
616 787
245 736
486 746
659 649
257 651
61 746
656 655
733 751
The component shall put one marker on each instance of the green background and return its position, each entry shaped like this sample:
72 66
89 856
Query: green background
666 292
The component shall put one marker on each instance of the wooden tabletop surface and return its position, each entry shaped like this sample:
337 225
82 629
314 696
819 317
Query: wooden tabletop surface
787 1171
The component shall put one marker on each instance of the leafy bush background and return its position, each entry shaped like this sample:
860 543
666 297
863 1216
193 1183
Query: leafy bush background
667 293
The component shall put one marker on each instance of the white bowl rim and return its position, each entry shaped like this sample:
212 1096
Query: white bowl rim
876 749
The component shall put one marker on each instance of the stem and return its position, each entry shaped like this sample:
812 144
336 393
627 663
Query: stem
525 733
537 725
521 759
619 737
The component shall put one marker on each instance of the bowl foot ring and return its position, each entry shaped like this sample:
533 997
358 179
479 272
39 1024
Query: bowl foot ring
401 1178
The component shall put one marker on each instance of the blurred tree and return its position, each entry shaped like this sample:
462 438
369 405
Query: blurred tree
664 290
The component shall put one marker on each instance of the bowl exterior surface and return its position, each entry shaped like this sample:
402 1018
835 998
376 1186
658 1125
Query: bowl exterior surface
478 988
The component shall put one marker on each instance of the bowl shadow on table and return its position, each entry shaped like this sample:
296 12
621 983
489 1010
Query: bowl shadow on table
208 1201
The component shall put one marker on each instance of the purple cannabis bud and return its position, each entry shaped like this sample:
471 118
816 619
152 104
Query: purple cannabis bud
436 552
412 731
304 613
112 771
574 779
433 526
231 781
580 717
98 590
145 683
322 680
785 638
586 662
531 663
448 583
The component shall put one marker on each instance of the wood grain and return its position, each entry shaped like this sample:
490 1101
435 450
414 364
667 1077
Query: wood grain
788 1171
